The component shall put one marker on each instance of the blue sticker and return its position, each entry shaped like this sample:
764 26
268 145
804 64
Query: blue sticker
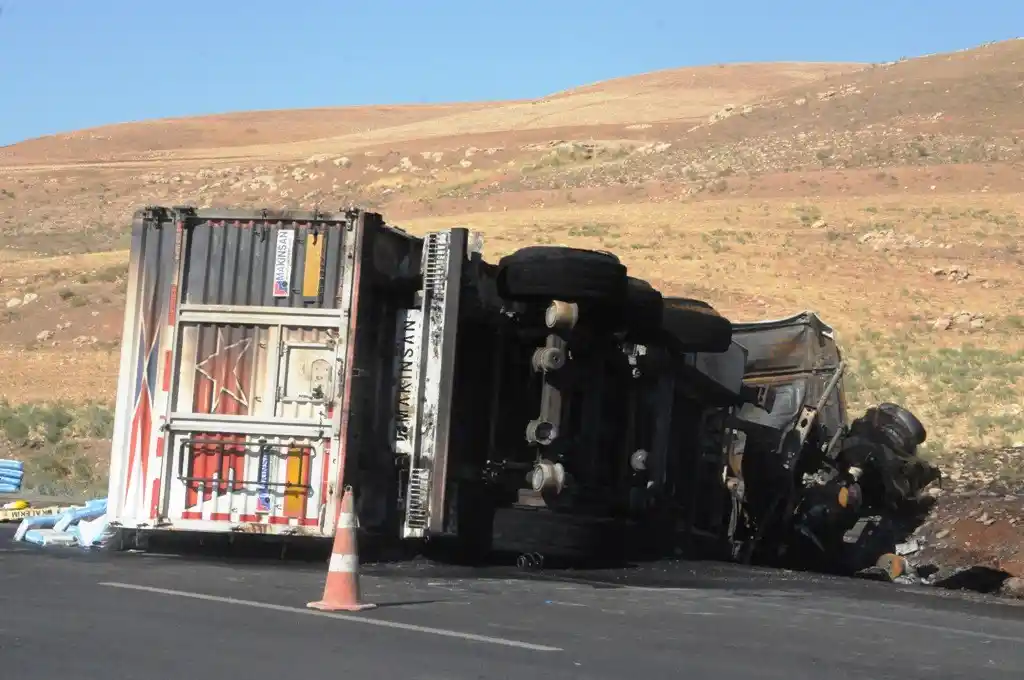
263 499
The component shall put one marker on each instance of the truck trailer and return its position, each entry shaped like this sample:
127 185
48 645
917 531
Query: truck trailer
270 359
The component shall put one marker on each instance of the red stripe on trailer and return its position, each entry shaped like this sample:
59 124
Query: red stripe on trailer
160 447
276 520
234 460
325 475
154 500
166 385
141 430
304 521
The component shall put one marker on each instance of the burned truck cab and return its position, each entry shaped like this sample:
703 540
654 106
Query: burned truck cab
810 487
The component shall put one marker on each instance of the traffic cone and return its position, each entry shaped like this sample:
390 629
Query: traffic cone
341 592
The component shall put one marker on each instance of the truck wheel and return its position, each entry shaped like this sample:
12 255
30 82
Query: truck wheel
911 427
643 307
540 273
696 325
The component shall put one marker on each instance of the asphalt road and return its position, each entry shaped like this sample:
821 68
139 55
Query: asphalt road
65 613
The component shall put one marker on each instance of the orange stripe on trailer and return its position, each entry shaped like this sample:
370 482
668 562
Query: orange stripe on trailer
313 264
172 309
296 478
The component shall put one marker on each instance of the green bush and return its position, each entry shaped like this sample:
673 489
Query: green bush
35 425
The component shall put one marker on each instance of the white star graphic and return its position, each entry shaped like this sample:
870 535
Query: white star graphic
233 355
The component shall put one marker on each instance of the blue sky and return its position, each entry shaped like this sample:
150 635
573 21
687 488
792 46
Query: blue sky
69 64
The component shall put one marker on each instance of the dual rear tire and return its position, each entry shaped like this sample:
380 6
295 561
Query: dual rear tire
598 279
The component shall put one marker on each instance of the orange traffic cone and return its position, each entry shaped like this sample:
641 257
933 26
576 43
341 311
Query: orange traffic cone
341 592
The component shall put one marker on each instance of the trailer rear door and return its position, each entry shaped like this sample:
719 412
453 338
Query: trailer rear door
234 369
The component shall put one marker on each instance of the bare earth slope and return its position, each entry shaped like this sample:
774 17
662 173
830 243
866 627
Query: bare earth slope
887 197
680 94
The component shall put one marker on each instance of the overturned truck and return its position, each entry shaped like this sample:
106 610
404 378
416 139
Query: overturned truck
271 359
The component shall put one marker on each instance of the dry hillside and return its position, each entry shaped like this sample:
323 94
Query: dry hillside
888 197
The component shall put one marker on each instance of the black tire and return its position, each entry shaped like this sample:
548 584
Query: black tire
696 326
641 310
908 422
542 273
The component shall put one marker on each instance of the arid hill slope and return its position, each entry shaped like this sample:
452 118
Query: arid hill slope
887 197
675 95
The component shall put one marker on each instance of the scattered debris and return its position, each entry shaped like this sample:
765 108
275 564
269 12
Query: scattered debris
908 547
873 573
83 525
1014 587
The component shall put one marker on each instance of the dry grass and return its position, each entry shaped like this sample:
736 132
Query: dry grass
67 373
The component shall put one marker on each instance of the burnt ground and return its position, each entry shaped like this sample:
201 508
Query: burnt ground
978 523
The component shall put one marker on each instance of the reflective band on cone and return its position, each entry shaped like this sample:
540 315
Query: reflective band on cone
344 564
341 592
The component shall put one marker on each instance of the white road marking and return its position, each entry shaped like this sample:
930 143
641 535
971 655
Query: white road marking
868 618
712 597
341 617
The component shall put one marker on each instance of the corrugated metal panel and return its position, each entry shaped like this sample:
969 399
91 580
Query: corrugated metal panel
243 261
